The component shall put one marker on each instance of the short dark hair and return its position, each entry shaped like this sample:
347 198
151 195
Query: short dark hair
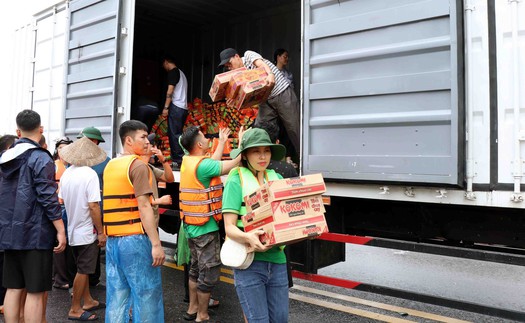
272 128
278 52
127 127
168 57
6 141
188 138
28 120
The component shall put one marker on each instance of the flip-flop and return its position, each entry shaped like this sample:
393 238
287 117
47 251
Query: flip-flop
189 317
213 303
63 287
84 317
100 305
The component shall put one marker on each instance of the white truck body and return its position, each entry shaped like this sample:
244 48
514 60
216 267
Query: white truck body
409 100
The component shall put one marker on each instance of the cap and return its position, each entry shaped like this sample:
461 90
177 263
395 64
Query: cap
256 137
225 55
91 133
151 138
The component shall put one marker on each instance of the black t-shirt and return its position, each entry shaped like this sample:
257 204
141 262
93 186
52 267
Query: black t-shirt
173 76
282 168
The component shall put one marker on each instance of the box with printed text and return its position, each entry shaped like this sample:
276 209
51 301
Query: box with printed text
251 93
220 84
287 188
280 233
239 80
285 210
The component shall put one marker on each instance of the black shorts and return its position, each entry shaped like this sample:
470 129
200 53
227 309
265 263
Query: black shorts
29 269
86 258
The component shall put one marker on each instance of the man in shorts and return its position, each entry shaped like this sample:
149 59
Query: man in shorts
201 206
31 226
80 190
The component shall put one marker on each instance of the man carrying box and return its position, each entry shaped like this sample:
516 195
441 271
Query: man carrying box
281 104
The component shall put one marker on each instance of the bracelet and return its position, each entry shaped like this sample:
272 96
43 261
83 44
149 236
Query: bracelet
166 108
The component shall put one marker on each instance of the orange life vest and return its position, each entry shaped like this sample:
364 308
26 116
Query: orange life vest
59 169
121 211
197 202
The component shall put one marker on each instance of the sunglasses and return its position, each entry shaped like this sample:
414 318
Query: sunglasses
63 140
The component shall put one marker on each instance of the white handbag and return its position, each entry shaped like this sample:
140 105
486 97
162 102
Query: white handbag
235 255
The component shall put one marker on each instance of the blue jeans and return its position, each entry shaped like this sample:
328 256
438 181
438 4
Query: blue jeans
132 281
262 289
176 119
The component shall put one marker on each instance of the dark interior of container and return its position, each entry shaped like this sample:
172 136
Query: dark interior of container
195 32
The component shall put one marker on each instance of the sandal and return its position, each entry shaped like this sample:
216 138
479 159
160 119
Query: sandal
213 303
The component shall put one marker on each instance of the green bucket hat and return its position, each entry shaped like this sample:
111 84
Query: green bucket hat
256 137
91 133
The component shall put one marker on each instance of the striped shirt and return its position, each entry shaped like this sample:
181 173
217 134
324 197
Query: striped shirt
280 82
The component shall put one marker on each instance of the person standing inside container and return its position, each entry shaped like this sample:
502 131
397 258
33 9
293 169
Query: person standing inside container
282 104
133 250
262 288
176 105
280 59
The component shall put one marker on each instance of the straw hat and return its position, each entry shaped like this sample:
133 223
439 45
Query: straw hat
256 137
83 152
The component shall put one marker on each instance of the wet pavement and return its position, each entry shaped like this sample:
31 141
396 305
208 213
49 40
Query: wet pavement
309 302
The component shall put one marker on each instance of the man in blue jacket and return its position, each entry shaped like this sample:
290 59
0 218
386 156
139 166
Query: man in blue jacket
31 226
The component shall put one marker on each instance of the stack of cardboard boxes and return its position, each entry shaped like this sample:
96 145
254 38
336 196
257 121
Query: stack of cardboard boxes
245 87
288 210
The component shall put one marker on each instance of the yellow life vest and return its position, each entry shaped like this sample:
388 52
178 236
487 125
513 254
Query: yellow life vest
121 211
249 184
198 203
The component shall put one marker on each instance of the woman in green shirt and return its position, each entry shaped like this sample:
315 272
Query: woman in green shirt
262 288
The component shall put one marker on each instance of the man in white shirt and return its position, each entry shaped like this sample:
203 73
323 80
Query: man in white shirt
80 190
176 106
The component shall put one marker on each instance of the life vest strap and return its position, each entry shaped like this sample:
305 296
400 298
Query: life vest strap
208 214
204 202
124 196
124 209
130 221
199 191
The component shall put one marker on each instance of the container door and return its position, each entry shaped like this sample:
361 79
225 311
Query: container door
91 79
382 90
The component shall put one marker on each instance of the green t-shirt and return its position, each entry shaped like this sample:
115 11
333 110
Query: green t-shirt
207 169
231 203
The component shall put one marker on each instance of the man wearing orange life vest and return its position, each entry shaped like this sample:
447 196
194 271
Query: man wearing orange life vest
200 205
133 250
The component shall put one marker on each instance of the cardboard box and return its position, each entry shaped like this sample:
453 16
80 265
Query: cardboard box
239 80
283 189
279 233
251 93
286 210
220 83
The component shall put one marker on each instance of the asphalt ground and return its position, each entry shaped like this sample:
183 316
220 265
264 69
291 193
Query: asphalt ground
309 302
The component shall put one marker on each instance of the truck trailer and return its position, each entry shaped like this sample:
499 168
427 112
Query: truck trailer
411 109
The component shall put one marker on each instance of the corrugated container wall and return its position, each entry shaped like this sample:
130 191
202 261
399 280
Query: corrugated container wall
383 90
